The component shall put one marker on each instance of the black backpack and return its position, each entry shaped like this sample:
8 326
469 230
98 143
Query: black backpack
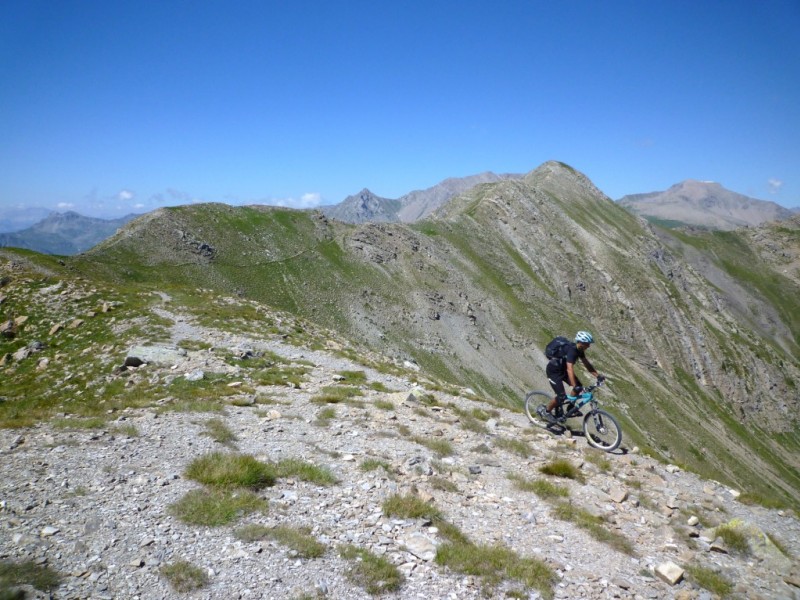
557 348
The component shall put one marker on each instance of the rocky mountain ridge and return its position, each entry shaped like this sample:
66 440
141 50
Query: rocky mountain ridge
93 499
367 207
704 204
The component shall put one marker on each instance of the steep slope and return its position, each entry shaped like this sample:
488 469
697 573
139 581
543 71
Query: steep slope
64 233
473 294
704 204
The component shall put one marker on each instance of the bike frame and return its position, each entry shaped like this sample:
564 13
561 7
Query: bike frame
580 401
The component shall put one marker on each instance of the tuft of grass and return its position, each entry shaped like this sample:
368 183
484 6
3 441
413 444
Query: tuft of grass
90 423
599 460
41 577
325 416
293 467
219 432
299 540
128 429
376 574
562 468
445 485
710 580
184 577
353 377
372 464
494 564
734 539
336 394
410 507
752 498
541 487
517 446
470 423
215 507
378 386
384 404
596 526
228 471
440 446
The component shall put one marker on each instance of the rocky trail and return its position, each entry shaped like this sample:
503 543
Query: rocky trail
94 504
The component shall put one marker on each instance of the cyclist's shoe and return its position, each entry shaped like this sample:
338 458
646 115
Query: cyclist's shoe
542 412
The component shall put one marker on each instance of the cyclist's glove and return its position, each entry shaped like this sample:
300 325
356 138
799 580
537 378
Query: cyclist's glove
577 390
601 378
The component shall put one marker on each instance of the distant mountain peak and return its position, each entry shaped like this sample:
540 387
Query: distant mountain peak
704 204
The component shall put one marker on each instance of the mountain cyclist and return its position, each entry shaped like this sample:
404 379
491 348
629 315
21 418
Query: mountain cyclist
563 355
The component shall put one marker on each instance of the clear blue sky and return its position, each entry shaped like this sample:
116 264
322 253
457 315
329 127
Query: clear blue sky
109 107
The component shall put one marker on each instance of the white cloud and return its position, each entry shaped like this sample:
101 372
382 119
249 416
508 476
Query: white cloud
125 195
307 200
65 206
774 185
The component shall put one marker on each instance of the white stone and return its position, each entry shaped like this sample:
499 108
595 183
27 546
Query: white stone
669 572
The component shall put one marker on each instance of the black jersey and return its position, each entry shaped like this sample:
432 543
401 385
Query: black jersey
571 355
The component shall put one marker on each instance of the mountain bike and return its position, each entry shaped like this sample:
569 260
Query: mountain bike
601 430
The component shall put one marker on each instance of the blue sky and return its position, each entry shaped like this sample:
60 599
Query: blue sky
111 107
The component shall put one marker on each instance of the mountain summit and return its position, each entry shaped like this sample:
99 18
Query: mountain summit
704 204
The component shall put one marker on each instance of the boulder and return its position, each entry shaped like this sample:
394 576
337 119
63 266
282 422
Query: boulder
669 572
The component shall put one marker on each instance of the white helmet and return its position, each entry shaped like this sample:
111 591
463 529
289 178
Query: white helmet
585 337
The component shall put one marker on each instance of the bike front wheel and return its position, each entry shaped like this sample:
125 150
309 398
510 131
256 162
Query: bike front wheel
602 430
532 401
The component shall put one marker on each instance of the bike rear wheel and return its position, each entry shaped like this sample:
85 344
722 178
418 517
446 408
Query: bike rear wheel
602 430
532 401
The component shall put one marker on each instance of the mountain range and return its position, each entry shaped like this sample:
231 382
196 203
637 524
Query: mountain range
688 323
64 233
689 203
